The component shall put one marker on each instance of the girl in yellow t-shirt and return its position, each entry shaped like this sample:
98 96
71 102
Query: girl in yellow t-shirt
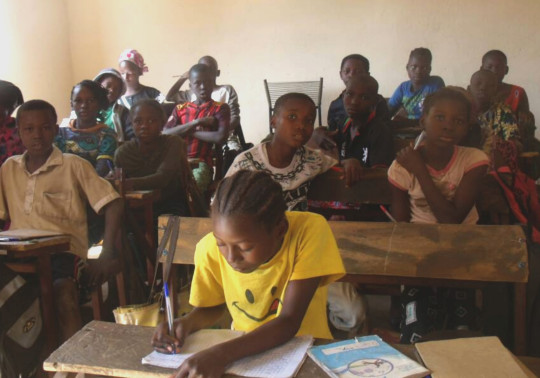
267 266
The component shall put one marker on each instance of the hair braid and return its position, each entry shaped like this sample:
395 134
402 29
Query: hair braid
252 193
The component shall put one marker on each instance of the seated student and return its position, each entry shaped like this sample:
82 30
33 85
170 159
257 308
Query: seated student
267 266
220 93
131 66
363 140
10 142
293 165
512 95
437 183
116 116
410 94
155 161
499 132
516 98
45 189
84 136
352 65
203 123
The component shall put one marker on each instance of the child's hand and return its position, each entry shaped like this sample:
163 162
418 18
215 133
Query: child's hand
208 363
352 170
411 160
165 343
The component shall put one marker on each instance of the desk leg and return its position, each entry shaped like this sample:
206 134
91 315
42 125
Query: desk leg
49 317
520 319
149 233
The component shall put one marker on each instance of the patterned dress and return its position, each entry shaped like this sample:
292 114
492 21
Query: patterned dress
10 143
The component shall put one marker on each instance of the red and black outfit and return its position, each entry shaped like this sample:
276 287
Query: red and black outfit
10 143
188 112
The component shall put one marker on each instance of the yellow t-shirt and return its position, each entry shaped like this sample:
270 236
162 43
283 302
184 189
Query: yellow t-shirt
308 250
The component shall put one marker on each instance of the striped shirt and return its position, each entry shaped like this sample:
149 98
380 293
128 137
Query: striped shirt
188 112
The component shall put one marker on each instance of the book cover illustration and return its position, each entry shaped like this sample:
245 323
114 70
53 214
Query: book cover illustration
367 356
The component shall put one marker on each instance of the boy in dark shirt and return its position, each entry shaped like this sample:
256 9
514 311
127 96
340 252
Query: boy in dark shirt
363 140
351 66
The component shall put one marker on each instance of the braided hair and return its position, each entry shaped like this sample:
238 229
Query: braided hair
252 193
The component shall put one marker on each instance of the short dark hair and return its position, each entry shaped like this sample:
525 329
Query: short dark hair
10 95
366 80
292 95
210 59
363 59
252 193
199 68
446 94
495 54
147 102
421 52
39 105
97 90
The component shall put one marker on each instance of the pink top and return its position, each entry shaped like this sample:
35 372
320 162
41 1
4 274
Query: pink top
446 180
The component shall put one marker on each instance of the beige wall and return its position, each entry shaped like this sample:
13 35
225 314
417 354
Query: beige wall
280 40
36 50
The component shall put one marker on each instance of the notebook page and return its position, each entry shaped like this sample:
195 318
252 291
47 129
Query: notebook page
282 361
195 342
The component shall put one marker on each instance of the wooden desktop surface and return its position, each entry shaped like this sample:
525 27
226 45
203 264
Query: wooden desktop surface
111 349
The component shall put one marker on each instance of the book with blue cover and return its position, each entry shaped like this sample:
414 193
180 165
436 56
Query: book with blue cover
367 356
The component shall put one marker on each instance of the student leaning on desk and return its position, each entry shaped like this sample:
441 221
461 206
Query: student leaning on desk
46 189
268 267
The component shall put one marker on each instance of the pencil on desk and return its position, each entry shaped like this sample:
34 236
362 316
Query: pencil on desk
387 213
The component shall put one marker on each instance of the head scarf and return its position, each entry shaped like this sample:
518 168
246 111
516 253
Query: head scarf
134 57
112 72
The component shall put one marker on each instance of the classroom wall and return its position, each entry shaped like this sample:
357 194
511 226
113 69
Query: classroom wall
36 51
283 40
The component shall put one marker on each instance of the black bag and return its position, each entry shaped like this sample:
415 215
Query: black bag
21 326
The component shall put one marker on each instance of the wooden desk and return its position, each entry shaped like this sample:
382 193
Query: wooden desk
415 254
373 187
144 200
109 349
39 251
117 350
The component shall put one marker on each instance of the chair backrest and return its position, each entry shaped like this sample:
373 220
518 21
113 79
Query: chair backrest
312 88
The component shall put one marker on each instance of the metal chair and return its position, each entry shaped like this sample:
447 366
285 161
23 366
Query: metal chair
312 88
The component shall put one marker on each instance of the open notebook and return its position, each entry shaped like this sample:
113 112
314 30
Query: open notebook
26 234
280 362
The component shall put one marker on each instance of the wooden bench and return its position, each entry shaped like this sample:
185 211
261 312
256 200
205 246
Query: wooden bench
414 254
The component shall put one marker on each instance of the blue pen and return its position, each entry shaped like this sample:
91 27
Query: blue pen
109 164
168 307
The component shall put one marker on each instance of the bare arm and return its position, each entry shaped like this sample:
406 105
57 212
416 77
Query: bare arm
198 318
174 129
213 361
171 94
222 117
114 211
444 210
401 208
